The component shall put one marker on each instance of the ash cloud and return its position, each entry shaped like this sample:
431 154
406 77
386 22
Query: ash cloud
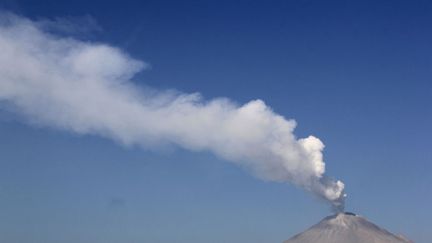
70 25
86 88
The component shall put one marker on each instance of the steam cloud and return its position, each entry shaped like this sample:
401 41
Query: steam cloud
86 88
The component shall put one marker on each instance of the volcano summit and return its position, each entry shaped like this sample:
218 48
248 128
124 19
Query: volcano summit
346 228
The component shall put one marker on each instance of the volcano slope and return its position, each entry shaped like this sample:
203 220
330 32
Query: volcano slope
346 228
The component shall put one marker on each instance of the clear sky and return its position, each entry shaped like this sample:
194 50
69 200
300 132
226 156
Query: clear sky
356 74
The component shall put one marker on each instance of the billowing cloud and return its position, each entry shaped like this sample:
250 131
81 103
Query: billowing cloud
86 88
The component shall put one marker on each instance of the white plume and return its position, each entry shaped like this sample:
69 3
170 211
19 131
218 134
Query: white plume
86 88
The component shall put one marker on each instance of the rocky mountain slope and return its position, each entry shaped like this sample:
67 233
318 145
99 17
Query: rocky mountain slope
346 228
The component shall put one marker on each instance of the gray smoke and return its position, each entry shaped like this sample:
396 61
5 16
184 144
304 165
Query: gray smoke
86 88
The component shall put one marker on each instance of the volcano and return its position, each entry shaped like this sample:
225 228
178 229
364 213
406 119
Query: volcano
346 228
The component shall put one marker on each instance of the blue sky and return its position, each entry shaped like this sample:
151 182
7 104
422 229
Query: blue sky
356 74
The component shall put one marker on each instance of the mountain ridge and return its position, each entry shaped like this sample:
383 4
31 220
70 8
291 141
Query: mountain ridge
346 228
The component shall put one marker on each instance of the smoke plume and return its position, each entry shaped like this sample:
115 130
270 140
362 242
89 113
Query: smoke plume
86 88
